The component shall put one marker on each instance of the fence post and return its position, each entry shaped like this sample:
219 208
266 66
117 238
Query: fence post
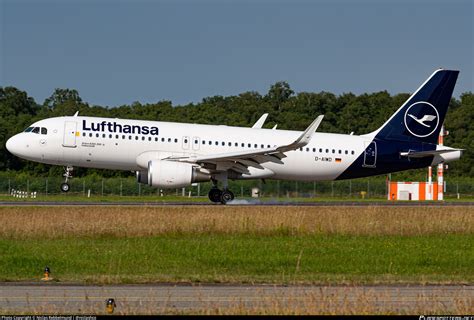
199 190
139 189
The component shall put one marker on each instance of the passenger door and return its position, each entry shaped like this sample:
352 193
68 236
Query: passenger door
69 139
370 154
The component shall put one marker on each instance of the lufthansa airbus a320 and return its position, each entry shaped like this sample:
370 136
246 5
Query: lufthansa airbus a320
172 155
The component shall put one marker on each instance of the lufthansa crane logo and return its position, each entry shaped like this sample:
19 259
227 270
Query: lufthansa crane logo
421 119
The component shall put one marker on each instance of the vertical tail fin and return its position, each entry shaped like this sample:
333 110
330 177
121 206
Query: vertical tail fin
420 118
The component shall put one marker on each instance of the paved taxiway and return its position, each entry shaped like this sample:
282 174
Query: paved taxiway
170 298
242 203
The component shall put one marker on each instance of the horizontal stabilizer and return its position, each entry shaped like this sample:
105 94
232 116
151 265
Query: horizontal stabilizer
422 154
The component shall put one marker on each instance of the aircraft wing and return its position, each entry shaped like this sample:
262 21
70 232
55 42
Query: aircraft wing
241 160
422 154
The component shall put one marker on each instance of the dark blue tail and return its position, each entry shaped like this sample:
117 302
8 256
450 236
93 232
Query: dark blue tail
420 118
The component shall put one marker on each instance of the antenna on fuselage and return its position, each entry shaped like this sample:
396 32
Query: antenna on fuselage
76 114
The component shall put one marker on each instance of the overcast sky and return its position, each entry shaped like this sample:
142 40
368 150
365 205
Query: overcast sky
117 52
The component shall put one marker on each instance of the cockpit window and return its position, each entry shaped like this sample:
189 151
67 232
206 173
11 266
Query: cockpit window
28 129
44 131
36 130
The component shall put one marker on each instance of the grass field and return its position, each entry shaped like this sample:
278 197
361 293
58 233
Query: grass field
239 244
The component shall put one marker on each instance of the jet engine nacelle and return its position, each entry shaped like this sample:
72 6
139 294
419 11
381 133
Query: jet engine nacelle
171 174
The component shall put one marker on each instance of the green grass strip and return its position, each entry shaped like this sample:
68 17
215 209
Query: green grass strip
244 258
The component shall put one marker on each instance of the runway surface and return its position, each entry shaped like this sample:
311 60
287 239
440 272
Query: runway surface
170 298
242 203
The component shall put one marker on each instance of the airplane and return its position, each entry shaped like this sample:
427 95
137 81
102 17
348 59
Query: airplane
174 155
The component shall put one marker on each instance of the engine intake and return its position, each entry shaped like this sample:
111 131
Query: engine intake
142 176
170 174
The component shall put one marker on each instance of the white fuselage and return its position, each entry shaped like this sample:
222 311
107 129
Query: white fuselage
69 142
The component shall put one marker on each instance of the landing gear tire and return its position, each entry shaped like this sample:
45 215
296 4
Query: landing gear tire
64 187
215 195
226 196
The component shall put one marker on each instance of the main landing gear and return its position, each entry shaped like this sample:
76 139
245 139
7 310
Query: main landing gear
223 196
68 174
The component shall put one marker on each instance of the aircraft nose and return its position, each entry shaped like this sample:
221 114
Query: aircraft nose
13 145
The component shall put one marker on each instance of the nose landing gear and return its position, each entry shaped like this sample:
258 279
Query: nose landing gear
68 174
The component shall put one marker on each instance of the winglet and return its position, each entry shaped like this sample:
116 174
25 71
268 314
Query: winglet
305 137
260 122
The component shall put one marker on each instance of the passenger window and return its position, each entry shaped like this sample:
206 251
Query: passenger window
268 146
123 137
162 139
217 143
255 145
156 139
327 150
352 152
223 143
103 135
333 151
262 146
301 149
249 145
35 130
242 145
314 149
96 135
175 140
129 137
307 149
236 144
116 136
345 151
149 138
340 151
90 134
84 134
44 131
185 140
136 137
169 139
320 150
229 144
110 136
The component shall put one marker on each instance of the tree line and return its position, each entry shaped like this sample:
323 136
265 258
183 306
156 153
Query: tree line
344 113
